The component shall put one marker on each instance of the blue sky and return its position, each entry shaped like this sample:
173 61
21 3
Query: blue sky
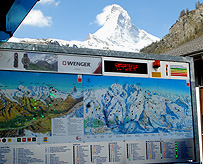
74 20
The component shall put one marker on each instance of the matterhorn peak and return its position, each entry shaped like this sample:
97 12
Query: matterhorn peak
112 13
118 32
114 20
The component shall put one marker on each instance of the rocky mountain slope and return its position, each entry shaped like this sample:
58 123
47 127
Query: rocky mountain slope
188 27
117 33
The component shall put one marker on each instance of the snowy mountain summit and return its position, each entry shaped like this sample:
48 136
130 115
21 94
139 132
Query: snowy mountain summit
117 33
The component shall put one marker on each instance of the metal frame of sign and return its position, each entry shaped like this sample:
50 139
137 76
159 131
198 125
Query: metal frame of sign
105 56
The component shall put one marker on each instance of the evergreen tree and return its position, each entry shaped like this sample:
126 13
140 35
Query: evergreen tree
187 11
182 13
197 4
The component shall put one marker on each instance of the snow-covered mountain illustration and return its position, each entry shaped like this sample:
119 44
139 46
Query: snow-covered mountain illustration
129 109
41 93
117 33
35 103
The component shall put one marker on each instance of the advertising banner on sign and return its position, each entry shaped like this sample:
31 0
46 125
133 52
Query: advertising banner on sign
10 60
28 61
76 64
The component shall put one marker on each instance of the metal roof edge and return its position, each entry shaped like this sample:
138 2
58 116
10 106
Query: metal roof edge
87 51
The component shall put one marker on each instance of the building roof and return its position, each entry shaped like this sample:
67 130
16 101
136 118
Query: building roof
193 48
85 51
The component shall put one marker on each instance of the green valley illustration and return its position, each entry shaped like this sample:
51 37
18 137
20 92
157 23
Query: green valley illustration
28 101
108 104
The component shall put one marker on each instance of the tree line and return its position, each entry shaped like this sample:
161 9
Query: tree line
183 12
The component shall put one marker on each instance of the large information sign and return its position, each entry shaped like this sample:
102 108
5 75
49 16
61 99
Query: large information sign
65 109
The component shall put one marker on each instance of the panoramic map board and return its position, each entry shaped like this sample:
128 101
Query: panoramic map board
110 119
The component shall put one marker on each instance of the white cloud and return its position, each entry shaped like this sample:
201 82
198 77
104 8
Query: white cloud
102 17
37 18
46 1
57 3
43 2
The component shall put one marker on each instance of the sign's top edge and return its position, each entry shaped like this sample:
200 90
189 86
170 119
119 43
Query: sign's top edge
92 52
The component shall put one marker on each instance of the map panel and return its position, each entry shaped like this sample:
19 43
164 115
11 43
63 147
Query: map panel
131 105
29 101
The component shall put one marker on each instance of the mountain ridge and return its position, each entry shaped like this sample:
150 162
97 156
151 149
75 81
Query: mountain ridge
188 27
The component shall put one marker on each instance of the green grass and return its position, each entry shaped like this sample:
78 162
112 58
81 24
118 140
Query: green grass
37 67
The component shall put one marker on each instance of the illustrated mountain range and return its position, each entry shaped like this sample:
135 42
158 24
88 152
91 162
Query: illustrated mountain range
32 108
129 109
119 109
117 33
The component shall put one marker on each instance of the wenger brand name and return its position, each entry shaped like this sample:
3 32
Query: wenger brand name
75 63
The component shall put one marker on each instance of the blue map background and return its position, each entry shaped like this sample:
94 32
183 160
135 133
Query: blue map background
172 86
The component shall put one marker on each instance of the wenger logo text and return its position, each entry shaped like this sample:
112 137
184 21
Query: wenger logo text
74 63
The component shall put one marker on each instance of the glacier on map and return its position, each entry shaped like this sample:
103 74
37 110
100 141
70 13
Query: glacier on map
132 109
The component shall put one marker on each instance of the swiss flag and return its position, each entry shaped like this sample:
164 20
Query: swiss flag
188 83
79 78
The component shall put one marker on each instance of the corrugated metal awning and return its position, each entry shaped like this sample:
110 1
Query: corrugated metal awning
12 13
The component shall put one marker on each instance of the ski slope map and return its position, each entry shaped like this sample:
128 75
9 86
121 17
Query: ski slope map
127 105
